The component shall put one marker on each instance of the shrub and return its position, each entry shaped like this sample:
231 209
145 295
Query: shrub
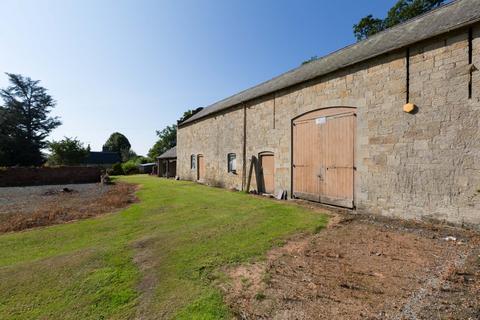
130 167
142 160
116 170
67 152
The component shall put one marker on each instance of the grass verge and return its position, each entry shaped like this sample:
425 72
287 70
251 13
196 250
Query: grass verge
156 259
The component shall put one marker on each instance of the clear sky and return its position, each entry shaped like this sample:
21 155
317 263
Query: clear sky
134 66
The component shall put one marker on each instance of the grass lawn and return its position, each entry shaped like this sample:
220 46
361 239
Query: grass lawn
159 258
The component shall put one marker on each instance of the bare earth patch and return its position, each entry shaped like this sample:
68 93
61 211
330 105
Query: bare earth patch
146 262
27 207
363 267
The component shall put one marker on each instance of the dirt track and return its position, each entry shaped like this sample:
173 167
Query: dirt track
364 267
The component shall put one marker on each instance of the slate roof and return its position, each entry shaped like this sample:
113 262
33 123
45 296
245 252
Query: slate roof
169 154
101 157
446 18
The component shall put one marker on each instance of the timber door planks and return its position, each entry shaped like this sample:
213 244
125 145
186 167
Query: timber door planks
323 156
201 167
267 164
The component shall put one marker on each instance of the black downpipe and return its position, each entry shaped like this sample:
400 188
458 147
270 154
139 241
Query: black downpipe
244 155
407 94
470 61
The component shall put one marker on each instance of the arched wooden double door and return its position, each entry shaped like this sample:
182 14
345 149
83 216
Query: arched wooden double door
323 156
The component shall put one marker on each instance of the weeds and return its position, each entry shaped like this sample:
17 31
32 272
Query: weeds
68 208
260 296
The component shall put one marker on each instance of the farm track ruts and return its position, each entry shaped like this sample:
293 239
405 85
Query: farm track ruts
364 267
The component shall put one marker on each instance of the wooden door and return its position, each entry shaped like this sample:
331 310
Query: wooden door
267 165
160 168
164 168
172 168
201 167
323 156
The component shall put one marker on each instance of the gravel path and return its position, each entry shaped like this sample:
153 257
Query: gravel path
28 207
28 199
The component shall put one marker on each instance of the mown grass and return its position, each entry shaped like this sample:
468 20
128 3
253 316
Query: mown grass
156 259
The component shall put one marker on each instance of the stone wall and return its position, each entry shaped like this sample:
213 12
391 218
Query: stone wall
22 176
434 168
421 165
214 138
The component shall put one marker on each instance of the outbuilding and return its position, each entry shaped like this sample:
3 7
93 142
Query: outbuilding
148 168
389 125
103 159
167 163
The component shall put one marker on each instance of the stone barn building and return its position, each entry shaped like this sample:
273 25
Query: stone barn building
389 125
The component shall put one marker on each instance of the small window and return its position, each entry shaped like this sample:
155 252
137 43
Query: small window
193 162
232 162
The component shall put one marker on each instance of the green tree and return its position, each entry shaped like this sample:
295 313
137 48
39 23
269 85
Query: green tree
189 113
167 138
7 140
69 151
24 121
402 11
117 142
367 27
313 58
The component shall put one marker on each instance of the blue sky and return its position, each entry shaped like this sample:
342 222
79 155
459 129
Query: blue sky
134 66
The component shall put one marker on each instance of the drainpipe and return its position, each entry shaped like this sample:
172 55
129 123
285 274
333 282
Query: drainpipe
407 89
244 155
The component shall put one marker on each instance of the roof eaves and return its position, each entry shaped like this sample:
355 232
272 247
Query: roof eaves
324 66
